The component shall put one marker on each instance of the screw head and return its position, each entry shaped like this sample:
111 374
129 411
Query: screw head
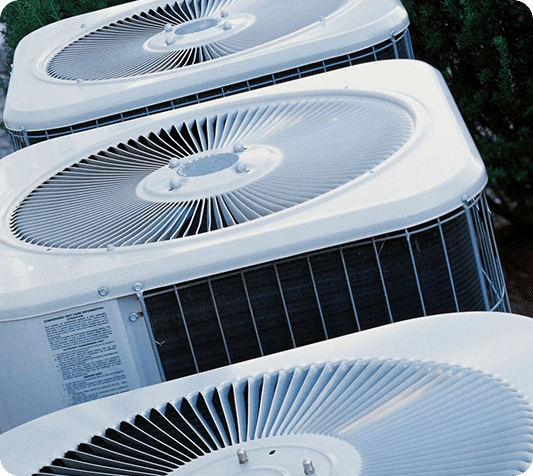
137 287
227 26
103 291
168 27
133 317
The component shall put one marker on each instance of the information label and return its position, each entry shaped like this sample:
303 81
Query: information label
88 355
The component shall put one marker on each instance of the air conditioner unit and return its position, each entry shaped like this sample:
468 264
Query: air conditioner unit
149 56
193 239
450 395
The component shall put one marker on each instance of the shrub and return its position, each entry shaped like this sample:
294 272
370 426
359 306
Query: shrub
484 49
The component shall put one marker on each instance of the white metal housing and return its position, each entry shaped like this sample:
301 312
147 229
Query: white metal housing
402 234
447 395
60 86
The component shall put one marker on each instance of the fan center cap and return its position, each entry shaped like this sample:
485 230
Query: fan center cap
208 165
314 455
196 26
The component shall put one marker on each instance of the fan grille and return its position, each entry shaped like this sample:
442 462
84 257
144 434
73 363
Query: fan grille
120 50
289 152
402 417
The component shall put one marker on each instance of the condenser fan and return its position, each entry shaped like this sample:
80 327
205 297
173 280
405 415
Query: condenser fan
363 417
182 34
211 172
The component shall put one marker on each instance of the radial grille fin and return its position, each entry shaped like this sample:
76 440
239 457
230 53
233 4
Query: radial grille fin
403 418
212 172
182 34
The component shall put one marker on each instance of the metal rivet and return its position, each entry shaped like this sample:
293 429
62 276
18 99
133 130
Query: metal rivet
169 40
243 457
238 148
134 317
103 291
110 247
224 14
227 25
168 27
137 287
308 466
173 163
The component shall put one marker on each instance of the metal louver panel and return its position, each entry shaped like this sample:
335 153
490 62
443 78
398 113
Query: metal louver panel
182 34
369 417
212 172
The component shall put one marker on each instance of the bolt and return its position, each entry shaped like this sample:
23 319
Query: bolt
240 168
308 466
224 14
238 148
174 183
173 163
169 40
137 287
243 457
110 247
103 291
227 26
168 27
134 317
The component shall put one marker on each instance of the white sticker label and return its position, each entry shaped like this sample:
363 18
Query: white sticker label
87 352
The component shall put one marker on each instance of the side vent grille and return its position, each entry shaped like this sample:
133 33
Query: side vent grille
438 267
401 417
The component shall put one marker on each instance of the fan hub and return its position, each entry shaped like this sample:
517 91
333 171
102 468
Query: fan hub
279 456
208 173
198 32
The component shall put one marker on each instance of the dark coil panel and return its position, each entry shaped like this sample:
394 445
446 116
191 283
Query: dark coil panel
430 269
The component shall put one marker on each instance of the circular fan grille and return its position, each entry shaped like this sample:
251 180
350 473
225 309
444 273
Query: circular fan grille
182 34
212 172
402 418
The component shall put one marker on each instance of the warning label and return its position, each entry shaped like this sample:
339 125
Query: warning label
86 353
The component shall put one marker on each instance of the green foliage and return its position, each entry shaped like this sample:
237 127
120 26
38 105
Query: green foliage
484 48
24 16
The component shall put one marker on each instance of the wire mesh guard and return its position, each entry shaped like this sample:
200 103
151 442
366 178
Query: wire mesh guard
447 265
366 417
165 185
